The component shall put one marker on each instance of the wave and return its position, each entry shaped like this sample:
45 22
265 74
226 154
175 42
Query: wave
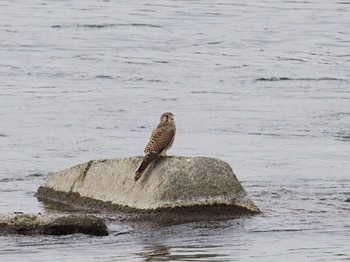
98 26
273 79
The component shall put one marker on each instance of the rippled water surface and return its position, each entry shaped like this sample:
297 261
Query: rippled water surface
263 85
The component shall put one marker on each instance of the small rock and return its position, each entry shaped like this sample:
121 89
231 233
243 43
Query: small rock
39 224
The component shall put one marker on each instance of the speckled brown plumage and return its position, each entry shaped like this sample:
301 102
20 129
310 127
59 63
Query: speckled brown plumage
161 140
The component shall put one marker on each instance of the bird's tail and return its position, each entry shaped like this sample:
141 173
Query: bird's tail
145 162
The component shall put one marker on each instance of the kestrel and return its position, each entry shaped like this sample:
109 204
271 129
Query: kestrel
161 140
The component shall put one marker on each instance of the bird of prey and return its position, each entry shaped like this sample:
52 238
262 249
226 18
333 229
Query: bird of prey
161 140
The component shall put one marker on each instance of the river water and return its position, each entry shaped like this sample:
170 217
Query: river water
263 85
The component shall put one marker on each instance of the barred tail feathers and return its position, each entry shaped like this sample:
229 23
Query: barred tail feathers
145 163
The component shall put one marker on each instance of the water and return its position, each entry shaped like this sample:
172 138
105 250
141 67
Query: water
263 85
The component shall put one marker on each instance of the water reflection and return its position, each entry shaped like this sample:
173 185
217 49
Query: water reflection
161 252
156 252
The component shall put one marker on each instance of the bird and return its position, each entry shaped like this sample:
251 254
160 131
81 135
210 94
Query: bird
162 138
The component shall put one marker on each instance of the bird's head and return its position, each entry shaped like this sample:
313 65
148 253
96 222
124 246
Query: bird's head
167 117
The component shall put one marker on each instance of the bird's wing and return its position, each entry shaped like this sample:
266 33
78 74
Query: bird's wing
161 137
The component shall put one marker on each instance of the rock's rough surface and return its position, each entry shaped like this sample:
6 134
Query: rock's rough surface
34 224
174 182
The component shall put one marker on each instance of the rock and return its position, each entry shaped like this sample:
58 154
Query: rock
35 224
188 185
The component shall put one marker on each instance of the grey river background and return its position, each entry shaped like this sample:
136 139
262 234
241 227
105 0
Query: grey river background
263 85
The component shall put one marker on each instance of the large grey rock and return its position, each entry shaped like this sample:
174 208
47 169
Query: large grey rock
174 182
33 224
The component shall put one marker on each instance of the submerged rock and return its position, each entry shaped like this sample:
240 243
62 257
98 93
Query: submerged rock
39 224
184 184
